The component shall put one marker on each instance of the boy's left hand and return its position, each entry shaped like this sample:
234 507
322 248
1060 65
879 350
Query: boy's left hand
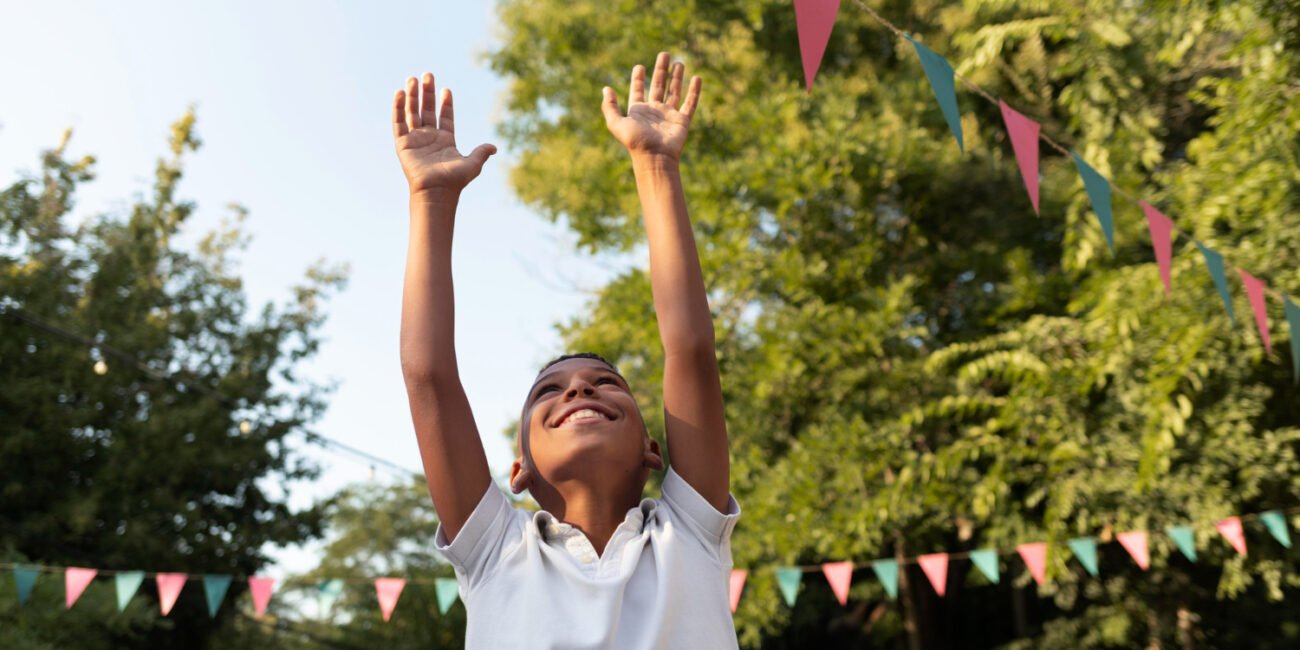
655 125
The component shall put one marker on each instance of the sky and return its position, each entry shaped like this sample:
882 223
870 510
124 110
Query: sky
293 102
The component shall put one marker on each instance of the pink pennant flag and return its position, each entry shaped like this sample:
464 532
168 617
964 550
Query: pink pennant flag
814 20
261 590
1035 556
839 574
1160 227
75 581
935 566
1024 140
1230 528
169 589
737 584
388 590
1255 291
1135 542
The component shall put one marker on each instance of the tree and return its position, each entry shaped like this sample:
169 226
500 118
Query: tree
914 362
147 465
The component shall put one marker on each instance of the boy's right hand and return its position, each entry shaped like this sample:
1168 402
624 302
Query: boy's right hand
426 146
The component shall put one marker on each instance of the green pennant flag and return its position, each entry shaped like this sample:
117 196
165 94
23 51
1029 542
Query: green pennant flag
127 583
939 72
1276 525
1214 261
1085 548
986 560
1099 193
887 572
214 589
25 578
788 579
1293 317
1184 540
328 591
447 591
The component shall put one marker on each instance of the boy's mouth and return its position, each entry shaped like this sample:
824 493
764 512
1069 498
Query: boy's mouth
583 414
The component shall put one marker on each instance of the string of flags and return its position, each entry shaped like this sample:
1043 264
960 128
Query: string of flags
815 20
215 587
1032 554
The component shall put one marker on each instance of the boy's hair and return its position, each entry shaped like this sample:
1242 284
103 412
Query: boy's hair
523 425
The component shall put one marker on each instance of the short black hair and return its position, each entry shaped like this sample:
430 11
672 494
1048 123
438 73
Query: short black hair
580 355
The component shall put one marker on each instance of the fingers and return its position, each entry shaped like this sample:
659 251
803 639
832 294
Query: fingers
446 119
412 104
637 94
428 111
675 88
399 119
609 105
692 97
481 153
660 78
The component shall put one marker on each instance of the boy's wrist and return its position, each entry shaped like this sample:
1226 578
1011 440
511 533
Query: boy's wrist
644 162
436 198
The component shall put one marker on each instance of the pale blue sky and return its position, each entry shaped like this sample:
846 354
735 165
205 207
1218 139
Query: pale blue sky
293 102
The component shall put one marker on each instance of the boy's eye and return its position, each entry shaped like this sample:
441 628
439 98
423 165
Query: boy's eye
606 380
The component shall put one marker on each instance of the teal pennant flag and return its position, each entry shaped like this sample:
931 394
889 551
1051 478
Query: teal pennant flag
1293 317
328 591
1184 540
939 72
214 590
25 578
127 583
1099 193
1085 548
1214 261
447 592
986 560
1275 522
788 579
887 572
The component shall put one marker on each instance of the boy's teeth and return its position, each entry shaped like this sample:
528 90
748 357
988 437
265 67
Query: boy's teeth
584 414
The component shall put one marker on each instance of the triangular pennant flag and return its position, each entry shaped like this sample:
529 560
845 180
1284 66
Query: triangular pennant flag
788 578
986 560
169 589
25 579
887 573
1085 548
839 574
214 590
127 583
737 584
939 72
1098 189
1184 540
1135 542
1275 522
448 590
1024 140
1214 261
328 591
261 589
388 590
1255 291
1293 318
1160 227
935 566
75 581
1035 556
1230 528
814 20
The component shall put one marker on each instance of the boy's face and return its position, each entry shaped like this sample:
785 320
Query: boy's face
580 419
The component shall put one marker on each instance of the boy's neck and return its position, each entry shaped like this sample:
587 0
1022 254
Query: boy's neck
596 511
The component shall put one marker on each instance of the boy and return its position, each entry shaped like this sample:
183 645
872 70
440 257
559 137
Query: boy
598 566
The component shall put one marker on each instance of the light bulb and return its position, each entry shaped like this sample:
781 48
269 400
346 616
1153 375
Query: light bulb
245 426
101 367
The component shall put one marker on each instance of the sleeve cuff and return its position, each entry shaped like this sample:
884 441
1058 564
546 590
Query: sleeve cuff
683 498
462 551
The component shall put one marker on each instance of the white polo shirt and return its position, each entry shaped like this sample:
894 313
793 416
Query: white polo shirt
531 581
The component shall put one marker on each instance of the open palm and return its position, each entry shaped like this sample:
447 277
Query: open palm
426 141
656 124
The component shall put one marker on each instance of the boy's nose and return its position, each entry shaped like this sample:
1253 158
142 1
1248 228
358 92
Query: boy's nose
581 387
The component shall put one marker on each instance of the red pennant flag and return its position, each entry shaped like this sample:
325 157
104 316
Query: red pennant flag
169 588
261 590
737 584
839 574
1230 528
814 20
1160 227
75 581
1135 542
388 590
1024 140
1255 291
1035 556
935 566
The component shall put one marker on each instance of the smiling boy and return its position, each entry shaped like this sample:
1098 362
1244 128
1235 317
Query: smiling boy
599 566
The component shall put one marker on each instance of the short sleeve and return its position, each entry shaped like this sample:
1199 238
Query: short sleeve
479 543
712 527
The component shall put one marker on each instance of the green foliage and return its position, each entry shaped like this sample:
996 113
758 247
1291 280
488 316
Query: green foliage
914 362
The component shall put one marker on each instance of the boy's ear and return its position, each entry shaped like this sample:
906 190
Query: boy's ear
521 478
651 457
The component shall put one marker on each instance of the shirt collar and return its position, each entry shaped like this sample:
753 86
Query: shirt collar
553 529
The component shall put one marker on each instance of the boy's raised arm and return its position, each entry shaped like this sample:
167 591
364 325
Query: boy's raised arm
454 462
654 132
